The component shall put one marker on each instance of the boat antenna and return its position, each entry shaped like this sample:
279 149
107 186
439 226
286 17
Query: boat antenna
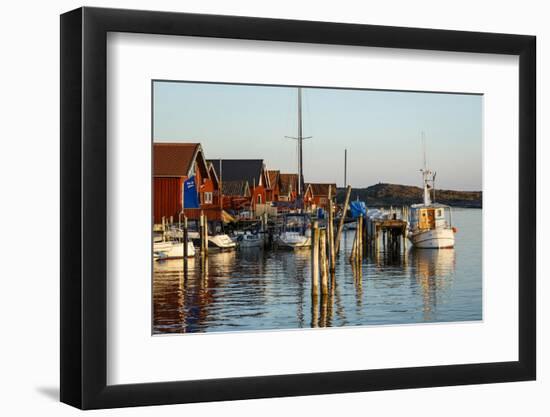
424 148
433 185
426 174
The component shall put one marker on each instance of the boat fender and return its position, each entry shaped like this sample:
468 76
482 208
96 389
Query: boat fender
455 230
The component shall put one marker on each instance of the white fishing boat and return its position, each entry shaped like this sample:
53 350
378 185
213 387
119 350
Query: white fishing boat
171 250
296 233
430 224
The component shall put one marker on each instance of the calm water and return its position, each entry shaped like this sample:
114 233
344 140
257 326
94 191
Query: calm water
256 289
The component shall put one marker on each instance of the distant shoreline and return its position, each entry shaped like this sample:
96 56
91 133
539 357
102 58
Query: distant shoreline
383 194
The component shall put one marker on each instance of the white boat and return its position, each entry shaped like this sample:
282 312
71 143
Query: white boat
171 250
294 240
221 241
437 238
296 233
430 224
250 240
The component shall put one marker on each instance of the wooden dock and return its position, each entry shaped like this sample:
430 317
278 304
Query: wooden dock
390 235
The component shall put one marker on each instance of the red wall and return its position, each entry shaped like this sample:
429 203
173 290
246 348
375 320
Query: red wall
273 194
167 198
258 190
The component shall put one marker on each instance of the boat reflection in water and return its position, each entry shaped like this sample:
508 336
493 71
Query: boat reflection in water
433 271
253 289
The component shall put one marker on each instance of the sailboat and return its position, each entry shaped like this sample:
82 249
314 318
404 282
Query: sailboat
295 233
430 223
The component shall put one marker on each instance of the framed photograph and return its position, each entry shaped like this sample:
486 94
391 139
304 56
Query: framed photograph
257 208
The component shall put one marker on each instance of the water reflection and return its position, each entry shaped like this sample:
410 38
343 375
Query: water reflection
433 272
255 289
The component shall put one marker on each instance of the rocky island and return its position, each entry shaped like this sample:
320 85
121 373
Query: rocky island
383 194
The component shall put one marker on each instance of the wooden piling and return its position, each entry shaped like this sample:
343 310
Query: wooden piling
341 224
323 322
331 236
360 239
323 261
354 247
315 259
205 222
264 229
315 310
367 235
185 236
201 235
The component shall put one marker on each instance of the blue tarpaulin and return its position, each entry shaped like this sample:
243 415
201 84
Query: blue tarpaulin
320 213
190 195
357 208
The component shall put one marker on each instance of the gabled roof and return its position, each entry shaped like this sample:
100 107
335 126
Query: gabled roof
320 189
239 169
273 177
212 173
176 159
289 182
238 188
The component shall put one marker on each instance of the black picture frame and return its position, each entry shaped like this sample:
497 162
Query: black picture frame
84 207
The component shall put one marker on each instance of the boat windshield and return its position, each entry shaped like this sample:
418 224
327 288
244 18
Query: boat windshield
296 223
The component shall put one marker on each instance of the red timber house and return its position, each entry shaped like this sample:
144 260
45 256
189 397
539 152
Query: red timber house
288 187
274 188
316 195
242 171
173 164
236 195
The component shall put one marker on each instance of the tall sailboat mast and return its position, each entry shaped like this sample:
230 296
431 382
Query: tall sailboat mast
300 139
345 168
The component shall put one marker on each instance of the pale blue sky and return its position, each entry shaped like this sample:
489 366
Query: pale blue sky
380 129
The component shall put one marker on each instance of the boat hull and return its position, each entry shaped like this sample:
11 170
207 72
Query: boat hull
221 242
172 250
294 243
433 239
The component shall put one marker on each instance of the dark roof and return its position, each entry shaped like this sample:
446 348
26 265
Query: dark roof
318 189
235 188
273 178
238 169
174 159
289 182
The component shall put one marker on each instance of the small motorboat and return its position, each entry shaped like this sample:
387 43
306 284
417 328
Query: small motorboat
221 241
172 250
218 241
296 233
250 240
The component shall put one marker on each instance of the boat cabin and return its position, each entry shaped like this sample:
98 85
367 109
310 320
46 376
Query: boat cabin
430 217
